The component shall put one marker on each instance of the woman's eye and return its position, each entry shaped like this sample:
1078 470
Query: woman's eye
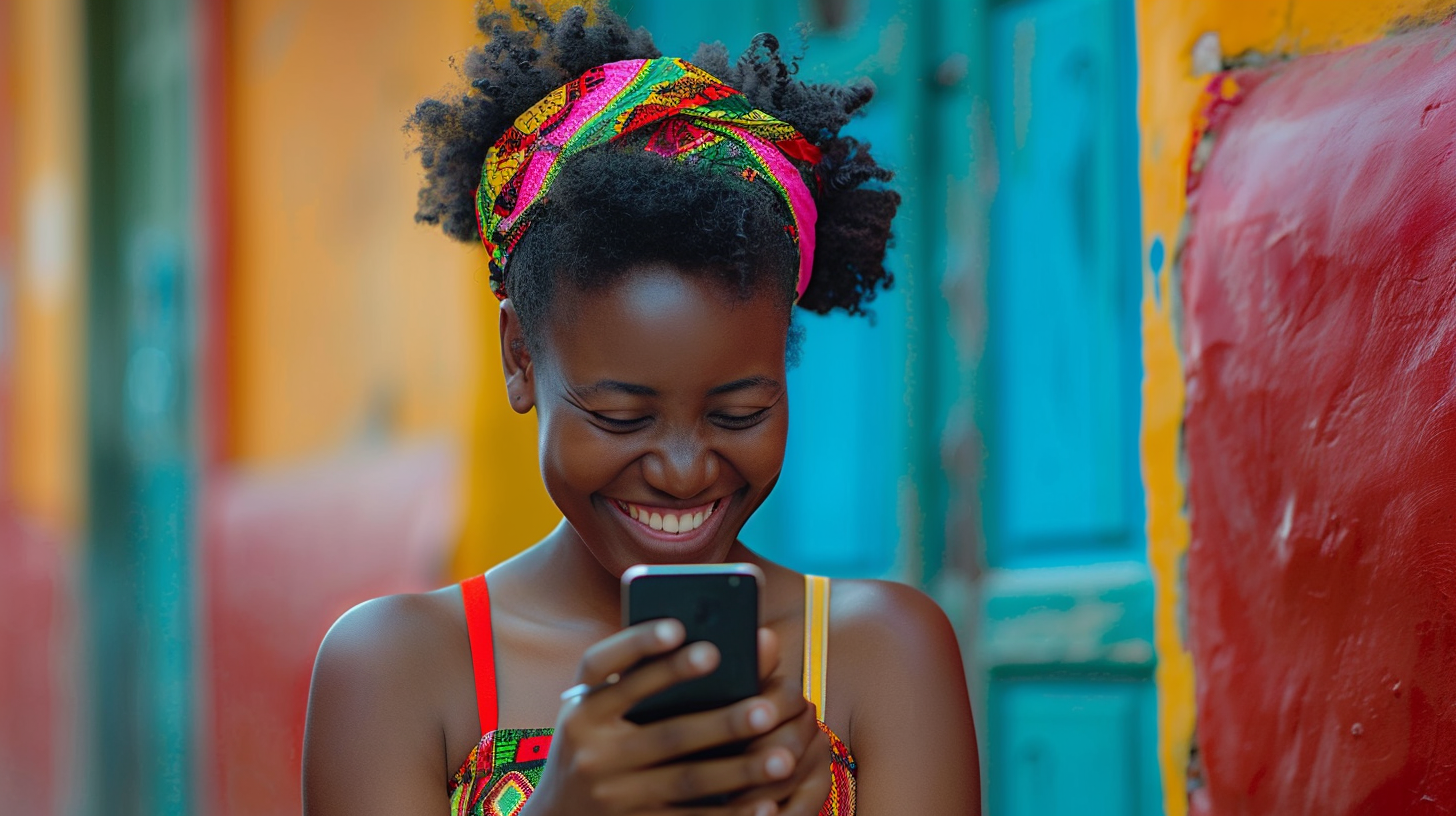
738 421
617 424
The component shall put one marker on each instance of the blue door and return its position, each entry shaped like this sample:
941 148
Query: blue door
1065 644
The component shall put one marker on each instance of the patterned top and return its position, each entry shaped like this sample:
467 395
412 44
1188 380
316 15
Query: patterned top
501 772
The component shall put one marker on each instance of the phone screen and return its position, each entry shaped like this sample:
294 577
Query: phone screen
718 603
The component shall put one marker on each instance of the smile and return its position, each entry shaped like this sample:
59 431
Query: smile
668 520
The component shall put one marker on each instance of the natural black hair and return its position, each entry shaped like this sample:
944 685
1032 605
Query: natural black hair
618 206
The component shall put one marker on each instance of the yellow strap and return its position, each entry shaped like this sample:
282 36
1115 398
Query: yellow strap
816 641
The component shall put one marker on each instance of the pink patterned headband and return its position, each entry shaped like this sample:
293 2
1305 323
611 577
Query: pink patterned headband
689 115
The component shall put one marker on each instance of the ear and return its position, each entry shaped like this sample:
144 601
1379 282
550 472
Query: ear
516 360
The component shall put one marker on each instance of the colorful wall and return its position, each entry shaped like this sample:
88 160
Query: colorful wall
1297 402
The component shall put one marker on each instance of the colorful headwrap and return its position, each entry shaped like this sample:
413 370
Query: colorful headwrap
688 115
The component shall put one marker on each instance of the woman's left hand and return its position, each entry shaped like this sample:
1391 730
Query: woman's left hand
803 793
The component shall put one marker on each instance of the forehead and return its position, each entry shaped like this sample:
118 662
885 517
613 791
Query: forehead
659 327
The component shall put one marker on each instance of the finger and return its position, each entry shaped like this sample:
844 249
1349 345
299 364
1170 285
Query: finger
795 734
814 760
694 660
768 653
809 798
627 648
681 736
787 695
690 781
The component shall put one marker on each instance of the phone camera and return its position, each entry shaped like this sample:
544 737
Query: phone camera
733 580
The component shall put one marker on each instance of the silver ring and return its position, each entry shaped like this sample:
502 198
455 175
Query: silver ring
583 689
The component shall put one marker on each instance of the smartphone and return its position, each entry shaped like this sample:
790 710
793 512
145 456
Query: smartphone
714 602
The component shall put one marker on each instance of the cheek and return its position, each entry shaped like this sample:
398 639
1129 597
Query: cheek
576 460
759 458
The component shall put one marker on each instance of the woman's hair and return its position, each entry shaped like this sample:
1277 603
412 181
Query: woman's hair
617 206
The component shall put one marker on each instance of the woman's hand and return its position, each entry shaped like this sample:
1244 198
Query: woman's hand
602 763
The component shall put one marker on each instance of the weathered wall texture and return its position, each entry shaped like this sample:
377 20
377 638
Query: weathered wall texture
1181 46
1319 284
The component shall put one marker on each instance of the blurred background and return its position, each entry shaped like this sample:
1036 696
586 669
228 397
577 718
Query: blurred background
241 390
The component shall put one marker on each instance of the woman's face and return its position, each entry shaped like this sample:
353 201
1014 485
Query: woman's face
663 413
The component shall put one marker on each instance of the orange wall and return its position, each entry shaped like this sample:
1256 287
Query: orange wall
349 324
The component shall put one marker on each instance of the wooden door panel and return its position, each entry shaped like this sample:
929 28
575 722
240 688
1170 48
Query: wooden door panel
1062 300
1074 748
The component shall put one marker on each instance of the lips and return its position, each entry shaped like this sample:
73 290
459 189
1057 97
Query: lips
674 521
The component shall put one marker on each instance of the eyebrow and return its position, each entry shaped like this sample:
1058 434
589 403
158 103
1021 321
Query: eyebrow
746 382
616 385
646 391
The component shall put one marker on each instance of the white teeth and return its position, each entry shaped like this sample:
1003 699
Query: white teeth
676 523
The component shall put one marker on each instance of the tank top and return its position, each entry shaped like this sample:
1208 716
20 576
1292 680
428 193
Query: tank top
503 769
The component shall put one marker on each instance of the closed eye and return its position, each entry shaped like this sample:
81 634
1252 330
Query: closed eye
620 425
737 422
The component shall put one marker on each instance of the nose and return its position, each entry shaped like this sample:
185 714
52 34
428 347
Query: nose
682 466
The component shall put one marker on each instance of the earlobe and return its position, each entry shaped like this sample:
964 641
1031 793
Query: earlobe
516 361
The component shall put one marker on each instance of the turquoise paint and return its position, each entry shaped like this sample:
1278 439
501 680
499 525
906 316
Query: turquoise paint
1074 749
139 592
1063 479
1095 619
1065 639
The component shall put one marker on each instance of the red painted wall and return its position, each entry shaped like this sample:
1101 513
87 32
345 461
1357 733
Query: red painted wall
1319 285
289 551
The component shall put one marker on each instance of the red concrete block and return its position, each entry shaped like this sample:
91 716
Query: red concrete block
1319 286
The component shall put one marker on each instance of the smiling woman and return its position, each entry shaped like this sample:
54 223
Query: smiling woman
651 224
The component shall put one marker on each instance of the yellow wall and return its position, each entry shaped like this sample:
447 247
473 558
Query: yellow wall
46 460
350 325
1169 96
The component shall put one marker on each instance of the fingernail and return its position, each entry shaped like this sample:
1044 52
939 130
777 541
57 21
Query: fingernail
764 809
701 656
666 631
760 717
777 766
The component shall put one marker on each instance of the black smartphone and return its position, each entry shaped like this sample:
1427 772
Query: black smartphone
714 602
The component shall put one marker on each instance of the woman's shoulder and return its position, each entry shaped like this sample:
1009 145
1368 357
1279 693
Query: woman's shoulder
889 638
887 615
397 626
395 646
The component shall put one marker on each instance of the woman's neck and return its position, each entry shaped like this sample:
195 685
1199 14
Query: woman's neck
560 567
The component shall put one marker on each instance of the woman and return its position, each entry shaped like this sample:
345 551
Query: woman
651 224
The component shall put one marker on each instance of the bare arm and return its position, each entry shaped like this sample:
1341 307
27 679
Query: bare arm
374 742
911 729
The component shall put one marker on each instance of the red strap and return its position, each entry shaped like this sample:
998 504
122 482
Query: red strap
482 650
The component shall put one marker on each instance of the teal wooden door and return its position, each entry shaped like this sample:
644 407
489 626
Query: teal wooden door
1065 642
139 436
